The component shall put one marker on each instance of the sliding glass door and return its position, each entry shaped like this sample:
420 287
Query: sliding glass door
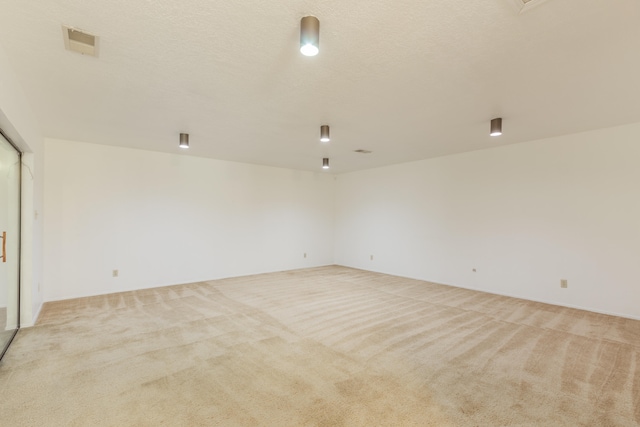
9 243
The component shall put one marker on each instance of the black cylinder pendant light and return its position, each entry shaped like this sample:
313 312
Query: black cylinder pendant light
325 163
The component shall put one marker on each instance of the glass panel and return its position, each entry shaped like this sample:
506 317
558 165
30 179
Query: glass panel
9 242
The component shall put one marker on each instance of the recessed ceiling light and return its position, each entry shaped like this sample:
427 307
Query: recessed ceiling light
324 133
184 140
496 127
309 36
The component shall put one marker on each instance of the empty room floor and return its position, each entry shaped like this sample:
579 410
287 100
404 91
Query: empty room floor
328 346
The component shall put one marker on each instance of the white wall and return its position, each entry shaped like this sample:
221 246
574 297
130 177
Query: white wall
164 219
4 219
19 123
10 222
524 216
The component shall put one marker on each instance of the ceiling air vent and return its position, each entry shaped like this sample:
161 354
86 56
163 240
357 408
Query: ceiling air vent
80 41
526 5
361 151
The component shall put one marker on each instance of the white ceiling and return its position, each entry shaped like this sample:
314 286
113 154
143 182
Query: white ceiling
406 79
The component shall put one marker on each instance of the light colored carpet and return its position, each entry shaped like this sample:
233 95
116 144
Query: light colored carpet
328 346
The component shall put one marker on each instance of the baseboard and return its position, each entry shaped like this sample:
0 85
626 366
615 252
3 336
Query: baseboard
164 285
559 304
556 303
34 318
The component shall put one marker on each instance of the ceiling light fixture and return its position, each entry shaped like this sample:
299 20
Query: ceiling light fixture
309 36
184 140
325 163
324 133
496 127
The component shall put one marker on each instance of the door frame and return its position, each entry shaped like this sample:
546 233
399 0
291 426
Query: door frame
19 254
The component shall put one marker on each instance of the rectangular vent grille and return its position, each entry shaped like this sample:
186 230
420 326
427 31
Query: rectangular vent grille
80 37
362 151
80 41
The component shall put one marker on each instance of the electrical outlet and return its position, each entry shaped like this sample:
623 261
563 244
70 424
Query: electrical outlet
371 257
563 283
115 273
305 254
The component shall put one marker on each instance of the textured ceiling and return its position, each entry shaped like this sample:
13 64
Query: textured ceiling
406 79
